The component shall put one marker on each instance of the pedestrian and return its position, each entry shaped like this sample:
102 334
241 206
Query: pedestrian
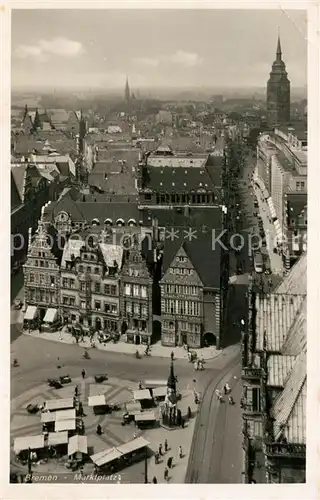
76 391
172 355
182 423
160 450
169 462
166 474
83 373
166 446
189 413
156 458
180 452
154 480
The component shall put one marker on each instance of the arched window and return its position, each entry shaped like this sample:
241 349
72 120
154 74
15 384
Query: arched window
132 222
120 222
108 222
95 222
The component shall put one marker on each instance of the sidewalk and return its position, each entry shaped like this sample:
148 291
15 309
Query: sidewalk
157 349
177 437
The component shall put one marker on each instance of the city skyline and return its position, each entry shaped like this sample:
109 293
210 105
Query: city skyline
98 49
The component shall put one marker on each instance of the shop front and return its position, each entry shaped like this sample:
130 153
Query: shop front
31 318
50 321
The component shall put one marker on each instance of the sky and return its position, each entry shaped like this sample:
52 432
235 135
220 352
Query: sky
96 49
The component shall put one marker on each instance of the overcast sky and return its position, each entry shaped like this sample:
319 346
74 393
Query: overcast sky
155 48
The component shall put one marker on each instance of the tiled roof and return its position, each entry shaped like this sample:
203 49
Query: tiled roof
296 280
195 217
278 368
72 247
203 257
275 315
289 408
171 180
111 253
19 174
87 210
176 162
15 196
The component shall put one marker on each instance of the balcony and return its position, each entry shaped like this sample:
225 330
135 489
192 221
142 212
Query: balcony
285 450
252 373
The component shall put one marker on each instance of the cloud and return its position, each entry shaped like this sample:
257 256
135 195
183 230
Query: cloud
146 61
62 47
185 58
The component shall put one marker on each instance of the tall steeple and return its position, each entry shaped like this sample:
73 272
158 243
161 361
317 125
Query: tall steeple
279 53
127 91
278 91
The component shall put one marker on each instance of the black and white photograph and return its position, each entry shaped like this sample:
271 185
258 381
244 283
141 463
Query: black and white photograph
159 221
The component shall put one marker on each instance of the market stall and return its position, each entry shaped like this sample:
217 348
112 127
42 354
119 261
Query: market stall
159 393
144 397
66 425
35 444
106 459
145 419
58 443
98 403
78 448
59 404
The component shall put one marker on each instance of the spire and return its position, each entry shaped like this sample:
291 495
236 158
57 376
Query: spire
279 53
127 91
171 384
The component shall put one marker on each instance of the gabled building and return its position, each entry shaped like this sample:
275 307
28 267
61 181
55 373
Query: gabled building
274 381
191 305
136 294
90 275
42 276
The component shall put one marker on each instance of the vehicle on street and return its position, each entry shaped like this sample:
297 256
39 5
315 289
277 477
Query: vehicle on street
32 408
54 383
100 378
65 379
258 262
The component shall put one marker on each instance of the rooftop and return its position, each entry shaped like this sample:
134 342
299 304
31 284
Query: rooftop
171 180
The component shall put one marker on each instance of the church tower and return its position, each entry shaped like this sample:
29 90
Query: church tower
127 91
278 92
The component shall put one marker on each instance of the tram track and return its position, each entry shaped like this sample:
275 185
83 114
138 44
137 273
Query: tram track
202 443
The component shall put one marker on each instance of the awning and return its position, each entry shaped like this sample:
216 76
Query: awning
106 456
51 315
142 394
271 207
65 425
133 445
278 230
48 416
78 444
31 313
65 415
146 416
24 443
99 400
151 384
159 392
55 438
133 407
59 404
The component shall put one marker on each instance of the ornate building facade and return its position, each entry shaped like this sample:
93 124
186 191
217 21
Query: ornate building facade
41 275
278 91
136 295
